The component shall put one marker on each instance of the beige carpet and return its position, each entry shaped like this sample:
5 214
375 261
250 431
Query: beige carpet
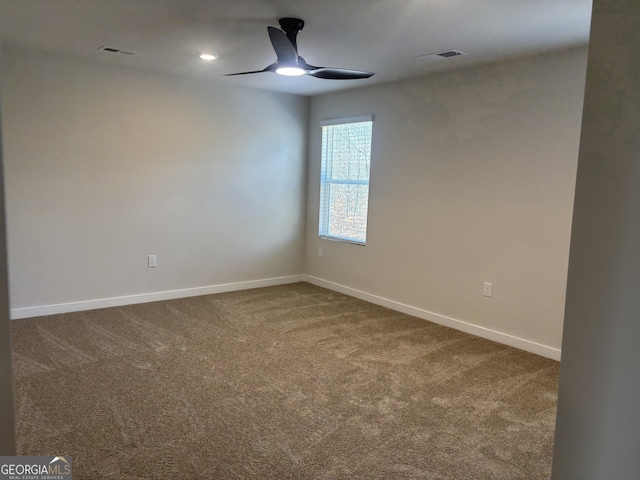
288 382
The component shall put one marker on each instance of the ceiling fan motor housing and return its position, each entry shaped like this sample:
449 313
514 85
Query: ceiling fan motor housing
289 23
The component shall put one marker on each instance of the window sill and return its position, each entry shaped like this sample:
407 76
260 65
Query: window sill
344 240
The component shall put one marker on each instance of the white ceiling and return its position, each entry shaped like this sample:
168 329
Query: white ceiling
381 36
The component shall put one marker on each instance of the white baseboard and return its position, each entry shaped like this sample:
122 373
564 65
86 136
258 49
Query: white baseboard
39 311
504 338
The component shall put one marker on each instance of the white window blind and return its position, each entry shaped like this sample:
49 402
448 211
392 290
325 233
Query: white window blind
344 180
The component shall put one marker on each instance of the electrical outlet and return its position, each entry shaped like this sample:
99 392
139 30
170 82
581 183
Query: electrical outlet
152 261
320 252
488 289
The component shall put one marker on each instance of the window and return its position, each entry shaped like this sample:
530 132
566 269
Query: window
344 179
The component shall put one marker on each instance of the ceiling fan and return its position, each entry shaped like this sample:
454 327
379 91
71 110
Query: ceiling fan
291 64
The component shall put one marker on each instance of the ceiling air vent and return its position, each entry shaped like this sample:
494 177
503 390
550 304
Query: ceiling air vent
450 53
104 48
440 55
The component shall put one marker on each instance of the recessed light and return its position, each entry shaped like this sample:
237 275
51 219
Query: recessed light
208 56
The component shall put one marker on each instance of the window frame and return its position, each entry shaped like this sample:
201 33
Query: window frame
323 219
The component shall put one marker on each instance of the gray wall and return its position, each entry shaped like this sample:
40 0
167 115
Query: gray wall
7 429
472 180
598 424
105 165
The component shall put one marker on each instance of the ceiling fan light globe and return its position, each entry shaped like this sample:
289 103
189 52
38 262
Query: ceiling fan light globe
291 71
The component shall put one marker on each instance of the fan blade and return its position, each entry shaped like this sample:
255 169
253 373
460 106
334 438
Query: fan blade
338 73
243 73
285 50
270 68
